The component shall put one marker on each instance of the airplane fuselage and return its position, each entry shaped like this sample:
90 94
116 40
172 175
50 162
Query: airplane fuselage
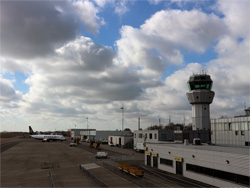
49 137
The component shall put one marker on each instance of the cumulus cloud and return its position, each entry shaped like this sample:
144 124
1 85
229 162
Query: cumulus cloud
236 16
83 78
35 28
8 94
87 13
231 69
149 48
81 75
177 28
13 65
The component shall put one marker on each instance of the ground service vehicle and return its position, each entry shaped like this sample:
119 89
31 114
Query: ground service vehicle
131 170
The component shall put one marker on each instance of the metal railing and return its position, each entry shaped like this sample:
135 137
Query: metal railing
93 177
51 179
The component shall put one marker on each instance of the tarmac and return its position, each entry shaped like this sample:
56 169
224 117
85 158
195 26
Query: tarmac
32 163
28 163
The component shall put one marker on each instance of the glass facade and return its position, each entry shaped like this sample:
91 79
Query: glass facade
200 82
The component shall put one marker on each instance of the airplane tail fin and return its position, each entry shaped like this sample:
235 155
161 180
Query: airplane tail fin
31 131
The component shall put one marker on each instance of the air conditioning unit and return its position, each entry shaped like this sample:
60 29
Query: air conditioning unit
196 141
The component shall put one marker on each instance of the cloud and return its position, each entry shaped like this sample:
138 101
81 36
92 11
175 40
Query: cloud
8 94
149 48
89 55
13 65
121 7
177 28
236 16
83 78
154 2
32 29
231 69
87 13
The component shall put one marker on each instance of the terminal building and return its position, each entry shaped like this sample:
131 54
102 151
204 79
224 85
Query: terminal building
219 163
231 131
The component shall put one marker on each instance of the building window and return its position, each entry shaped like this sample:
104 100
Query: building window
244 126
146 136
245 123
230 126
140 135
212 126
135 135
234 126
236 132
226 126
155 136
237 126
166 162
242 133
239 179
150 136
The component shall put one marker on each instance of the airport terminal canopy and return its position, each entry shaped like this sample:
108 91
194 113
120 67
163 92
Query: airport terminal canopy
200 81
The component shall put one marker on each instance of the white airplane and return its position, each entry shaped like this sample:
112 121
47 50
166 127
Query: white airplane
46 138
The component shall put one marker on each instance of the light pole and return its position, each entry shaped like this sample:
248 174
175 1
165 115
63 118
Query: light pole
122 117
88 127
75 134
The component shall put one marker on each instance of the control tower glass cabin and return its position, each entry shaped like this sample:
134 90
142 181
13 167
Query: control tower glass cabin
200 96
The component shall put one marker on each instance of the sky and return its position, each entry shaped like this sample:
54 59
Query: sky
66 64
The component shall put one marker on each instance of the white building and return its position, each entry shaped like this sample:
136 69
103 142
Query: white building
215 165
231 131
120 141
143 136
98 135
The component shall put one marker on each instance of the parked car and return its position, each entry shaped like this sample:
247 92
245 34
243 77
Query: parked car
111 144
101 155
73 144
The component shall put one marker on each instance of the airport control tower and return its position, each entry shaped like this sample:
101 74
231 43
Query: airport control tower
200 96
